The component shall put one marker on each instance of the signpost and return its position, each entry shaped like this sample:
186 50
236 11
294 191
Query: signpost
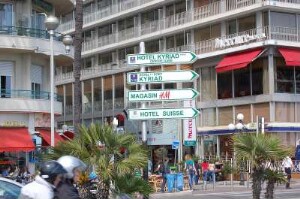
163 113
161 77
162 95
161 58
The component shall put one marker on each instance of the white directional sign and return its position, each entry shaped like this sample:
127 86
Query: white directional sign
164 113
162 95
161 58
160 77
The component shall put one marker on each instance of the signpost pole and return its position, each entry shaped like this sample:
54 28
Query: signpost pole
143 106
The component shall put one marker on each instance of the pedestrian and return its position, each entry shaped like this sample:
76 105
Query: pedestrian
51 173
66 189
6 171
204 169
287 166
189 166
197 174
163 170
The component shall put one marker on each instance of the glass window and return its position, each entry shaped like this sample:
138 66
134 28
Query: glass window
149 16
36 90
88 62
152 46
5 85
105 58
108 93
179 40
97 94
266 18
247 23
9 190
279 19
297 75
87 96
170 42
242 82
225 85
257 77
231 27
69 99
6 14
119 91
284 77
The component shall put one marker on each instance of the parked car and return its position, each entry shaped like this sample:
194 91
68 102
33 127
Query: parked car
9 189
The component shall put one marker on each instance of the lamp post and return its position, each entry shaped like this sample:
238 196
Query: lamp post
51 23
239 127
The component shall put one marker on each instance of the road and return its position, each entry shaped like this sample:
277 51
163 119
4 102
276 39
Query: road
282 194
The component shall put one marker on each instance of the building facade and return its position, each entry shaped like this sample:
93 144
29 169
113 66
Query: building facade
24 75
248 62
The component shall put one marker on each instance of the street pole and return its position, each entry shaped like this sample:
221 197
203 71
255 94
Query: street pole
51 24
144 124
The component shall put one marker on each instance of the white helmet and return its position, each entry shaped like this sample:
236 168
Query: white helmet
70 163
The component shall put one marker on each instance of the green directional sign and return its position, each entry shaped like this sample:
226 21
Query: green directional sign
161 77
162 95
167 58
164 113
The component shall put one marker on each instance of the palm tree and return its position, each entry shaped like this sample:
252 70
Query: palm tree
77 63
272 177
258 149
101 147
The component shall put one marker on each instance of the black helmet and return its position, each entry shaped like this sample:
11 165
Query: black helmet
50 169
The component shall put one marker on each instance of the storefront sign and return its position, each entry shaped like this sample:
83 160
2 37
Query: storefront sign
13 120
15 123
162 132
189 127
241 39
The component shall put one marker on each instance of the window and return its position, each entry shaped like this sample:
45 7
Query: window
246 23
225 85
149 16
5 84
87 96
105 58
231 27
97 94
297 75
284 77
152 46
279 19
36 91
6 14
242 82
257 77
9 190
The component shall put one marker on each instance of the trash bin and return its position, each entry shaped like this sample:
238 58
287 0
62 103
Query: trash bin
170 182
179 181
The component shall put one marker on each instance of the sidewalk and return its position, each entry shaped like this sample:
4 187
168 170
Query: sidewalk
226 187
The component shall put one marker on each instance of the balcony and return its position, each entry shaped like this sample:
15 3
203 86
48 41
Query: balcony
28 101
179 22
24 38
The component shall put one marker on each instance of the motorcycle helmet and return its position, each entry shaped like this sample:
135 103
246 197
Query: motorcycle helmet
70 163
50 170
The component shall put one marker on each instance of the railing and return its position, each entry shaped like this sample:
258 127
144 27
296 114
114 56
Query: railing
28 94
119 103
69 110
98 106
104 12
25 31
197 14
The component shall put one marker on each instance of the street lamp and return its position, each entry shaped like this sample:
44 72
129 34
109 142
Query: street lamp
239 127
51 23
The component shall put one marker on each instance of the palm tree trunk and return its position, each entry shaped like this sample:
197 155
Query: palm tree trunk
103 190
270 189
77 63
256 186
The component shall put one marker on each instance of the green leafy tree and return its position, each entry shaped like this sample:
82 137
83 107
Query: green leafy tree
112 155
259 150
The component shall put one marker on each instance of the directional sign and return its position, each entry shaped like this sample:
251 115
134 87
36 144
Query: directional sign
160 77
162 95
164 113
161 58
175 144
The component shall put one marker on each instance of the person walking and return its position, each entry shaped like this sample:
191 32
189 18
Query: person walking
66 189
163 170
189 166
51 173
287 164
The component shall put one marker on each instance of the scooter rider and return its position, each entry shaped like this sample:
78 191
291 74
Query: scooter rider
51 173
73 166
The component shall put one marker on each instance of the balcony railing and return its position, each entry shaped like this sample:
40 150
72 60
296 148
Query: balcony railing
26 31
104 12
207 46
28 94
196 15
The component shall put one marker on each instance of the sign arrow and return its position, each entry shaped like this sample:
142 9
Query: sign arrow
164 113
162 95
167 58
161 77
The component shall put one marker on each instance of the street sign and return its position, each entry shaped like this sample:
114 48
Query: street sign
162 95
164 113
167 58
175 144
189 143
161 77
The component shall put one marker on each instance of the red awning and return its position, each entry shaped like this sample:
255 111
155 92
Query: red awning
15 139
291 56
237 61
67 135
46 135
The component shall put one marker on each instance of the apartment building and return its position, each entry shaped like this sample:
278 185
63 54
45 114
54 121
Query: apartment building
248 62
24 77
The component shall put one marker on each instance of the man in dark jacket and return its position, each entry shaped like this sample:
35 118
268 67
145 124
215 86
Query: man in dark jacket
65 189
